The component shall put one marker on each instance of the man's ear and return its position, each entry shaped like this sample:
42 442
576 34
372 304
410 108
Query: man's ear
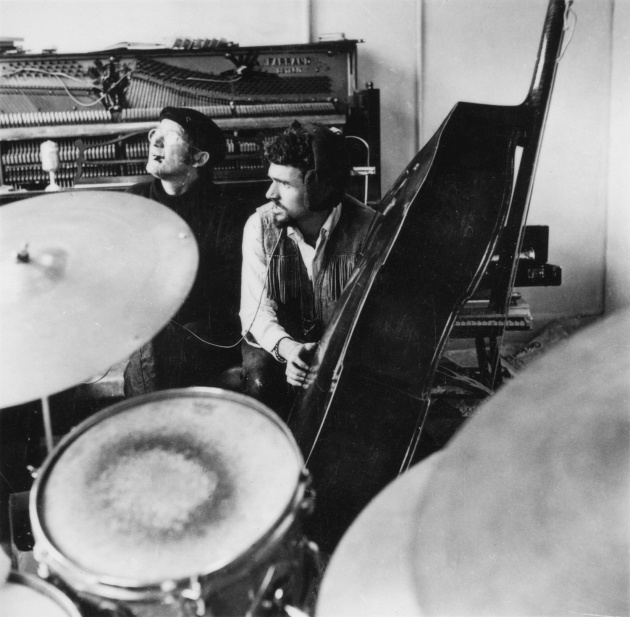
200 158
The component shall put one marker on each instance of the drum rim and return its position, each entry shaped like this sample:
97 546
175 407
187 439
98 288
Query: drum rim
45 588
113 587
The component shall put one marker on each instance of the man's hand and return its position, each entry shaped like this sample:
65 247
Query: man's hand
298 357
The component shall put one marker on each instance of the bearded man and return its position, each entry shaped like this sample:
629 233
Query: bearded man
299 251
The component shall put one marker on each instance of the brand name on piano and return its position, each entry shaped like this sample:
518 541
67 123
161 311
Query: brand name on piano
288 61
288 64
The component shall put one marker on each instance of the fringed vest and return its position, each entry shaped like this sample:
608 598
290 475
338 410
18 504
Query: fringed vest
304 308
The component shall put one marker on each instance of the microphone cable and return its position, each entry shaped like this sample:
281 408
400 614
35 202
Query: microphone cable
262 293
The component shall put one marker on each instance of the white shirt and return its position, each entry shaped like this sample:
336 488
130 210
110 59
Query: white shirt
258 310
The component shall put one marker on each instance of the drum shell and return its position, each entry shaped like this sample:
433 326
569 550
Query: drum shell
223 588
229 592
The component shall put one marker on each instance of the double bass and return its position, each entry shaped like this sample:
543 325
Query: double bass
463 196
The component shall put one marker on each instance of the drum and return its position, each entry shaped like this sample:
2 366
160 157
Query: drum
23 595
178 497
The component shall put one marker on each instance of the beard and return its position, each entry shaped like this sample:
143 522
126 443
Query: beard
281 219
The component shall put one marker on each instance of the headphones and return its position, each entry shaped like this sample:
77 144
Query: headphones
325 184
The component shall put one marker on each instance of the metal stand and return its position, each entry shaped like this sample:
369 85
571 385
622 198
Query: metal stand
47 425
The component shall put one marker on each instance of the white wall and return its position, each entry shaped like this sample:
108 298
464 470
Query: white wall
425 56
485 52
390 58
84 25
618 247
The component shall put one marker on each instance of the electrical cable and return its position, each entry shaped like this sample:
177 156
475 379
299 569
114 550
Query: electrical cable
262 293
59 76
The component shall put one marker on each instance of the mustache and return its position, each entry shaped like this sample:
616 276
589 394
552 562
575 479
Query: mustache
280 224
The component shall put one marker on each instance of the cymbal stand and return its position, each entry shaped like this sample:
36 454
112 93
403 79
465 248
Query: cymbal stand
47 425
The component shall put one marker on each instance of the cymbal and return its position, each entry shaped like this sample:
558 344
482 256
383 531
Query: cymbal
85 279
370 574
526 510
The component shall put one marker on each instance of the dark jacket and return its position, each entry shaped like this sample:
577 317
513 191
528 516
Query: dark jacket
218 228
175 358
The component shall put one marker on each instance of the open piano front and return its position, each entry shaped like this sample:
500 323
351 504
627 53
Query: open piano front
99 107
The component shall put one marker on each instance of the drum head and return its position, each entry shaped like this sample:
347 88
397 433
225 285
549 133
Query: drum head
167 486
25 596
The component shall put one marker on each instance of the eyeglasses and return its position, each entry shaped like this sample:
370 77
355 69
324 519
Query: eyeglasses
168 138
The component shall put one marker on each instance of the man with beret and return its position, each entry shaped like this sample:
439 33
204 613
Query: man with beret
183 151
299 251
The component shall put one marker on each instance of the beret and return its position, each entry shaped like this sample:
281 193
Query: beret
203 133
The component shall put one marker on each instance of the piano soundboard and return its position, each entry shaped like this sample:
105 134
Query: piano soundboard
98 108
